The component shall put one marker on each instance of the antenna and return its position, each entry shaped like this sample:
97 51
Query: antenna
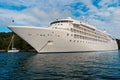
69 17
12 20
83 19
104 31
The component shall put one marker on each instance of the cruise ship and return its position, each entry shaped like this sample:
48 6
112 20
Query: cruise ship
66 35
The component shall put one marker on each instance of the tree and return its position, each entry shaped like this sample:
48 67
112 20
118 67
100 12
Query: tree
19 43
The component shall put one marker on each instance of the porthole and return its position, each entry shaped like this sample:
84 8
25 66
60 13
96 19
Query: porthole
29 34
58 35
67 34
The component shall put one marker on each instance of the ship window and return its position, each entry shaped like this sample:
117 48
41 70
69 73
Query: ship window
58 35
67 34
29 34
75 35
74 40
72 30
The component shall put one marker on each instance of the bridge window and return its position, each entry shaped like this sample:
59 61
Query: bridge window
67 34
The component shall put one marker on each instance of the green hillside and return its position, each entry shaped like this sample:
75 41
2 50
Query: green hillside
18 42
118 42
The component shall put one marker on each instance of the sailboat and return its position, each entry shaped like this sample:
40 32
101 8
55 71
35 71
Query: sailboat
11 45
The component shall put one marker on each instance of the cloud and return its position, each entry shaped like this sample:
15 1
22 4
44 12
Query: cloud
12 7
110 3
103 14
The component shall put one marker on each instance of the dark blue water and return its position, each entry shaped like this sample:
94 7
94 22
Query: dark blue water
66 66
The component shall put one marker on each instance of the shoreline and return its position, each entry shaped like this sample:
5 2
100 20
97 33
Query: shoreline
20 51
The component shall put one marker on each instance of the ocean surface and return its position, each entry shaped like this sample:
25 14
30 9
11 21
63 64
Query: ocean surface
60 66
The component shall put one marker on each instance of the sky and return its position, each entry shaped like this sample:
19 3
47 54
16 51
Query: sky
103 14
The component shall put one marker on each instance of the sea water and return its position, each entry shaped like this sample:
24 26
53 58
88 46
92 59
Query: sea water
60 66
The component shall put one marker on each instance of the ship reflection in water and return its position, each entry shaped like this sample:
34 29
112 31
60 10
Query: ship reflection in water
67 66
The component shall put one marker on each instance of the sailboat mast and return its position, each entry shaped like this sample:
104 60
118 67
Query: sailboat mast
13 41
12 45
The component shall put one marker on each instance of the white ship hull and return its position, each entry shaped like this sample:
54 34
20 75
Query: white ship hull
54 40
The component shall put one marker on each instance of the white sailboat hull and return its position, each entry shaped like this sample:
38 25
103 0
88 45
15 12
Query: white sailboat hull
13 50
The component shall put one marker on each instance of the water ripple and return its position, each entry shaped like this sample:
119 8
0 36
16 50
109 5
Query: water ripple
64 66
